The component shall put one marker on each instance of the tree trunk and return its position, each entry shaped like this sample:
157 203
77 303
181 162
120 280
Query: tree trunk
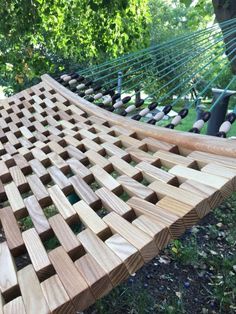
226 10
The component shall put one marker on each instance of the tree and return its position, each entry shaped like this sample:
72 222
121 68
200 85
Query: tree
41 36
226 10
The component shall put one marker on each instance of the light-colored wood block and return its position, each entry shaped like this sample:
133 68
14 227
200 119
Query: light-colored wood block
11 230
60 179
61 202
139 155
97 159
169 159
96 277
37 215
90 219
105 179
217 182
170 220
104 256
135 236
113 203
198 205
16 306
19 178
78 168
31 291
38 190
37 253
65 235
73 282
130 255
8 278
112 149
155 229
123 167
152 173
15 199
55 294
85 192
134 188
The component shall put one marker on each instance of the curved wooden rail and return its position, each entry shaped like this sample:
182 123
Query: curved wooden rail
87 197
190 141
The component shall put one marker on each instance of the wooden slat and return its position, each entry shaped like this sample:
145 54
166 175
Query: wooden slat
37 253
14 198
136 237
96 277
8 278
55 294
16 306
123 167
104 256
73 282
31 291
91 219
170 220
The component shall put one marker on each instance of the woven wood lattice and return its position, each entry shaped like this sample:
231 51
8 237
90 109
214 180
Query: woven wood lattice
86 201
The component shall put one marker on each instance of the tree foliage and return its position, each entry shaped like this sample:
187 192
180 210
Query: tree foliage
41 36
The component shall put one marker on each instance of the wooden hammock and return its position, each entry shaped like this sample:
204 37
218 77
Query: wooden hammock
130 187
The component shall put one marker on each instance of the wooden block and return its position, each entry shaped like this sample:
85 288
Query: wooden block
139 155
57 161
11 230
22 163
123 167
39 169
129 255
37 215
87 134
135 236
221 171
78 168
89 144
212 195
70 140
37 253
4 172
60 179
203 159
39 190
119 130
56 148
97 159
105 179
65 235
217 182
113 203
172 221
73 282
1 303
128 141
154 229
155 145
16 306
15 199
31 291
152 173
104 137
180 209
198 205
104 256
61 202
134 188
41 156
8 279
96 277
85 192
115 150
169 159
74 152
90 219
55 294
